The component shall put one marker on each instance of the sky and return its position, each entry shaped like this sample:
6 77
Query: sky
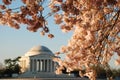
14 43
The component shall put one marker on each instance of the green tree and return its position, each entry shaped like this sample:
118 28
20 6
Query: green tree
8 63
12 66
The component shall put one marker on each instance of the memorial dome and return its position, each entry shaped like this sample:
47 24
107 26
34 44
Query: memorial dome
39 50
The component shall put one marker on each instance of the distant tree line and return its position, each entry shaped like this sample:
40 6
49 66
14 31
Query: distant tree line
11 67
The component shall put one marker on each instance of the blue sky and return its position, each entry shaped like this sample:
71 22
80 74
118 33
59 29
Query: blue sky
14 43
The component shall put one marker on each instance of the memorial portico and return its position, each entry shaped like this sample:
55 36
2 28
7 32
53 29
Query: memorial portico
38 60
38 63
41 65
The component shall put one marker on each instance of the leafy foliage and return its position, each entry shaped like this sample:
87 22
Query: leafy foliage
12 66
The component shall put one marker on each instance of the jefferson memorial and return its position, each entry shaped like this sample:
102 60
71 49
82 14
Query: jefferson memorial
37 62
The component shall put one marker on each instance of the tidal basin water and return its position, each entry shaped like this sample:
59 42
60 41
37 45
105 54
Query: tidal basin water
49 79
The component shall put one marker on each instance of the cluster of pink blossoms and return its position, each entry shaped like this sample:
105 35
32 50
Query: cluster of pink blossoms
95 25
96 36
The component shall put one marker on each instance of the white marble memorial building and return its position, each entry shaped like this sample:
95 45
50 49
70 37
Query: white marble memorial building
37 62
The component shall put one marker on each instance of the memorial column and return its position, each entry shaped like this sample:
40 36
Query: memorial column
50 65
44 65
47 65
